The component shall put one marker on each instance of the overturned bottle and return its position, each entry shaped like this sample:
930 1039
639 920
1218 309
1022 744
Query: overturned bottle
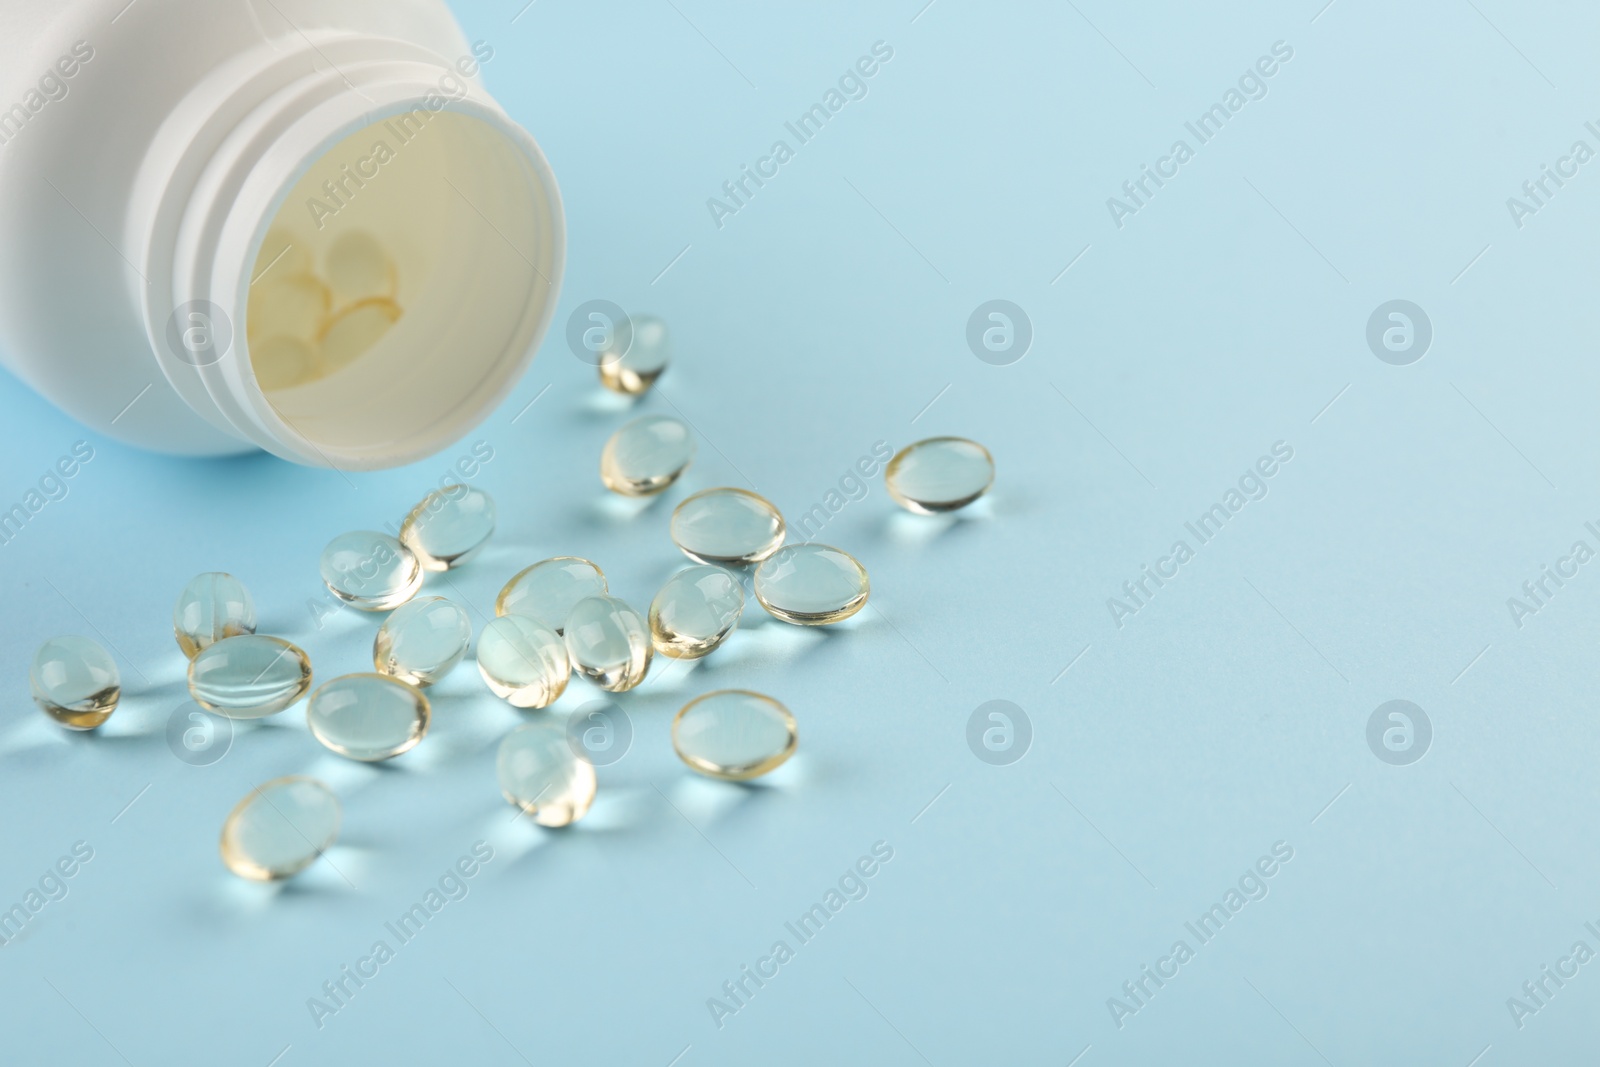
283 240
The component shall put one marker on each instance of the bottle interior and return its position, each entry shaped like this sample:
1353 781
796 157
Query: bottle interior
398 286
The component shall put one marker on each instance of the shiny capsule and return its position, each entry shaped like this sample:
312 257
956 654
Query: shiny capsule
646 456
358 267
249 676
283 253
353 330
695 611
727 526
422 640
636 370
523 661
75 682
368 717
449 526
547 590
370 571
608 643
287 305
812 585
212 606
939 474
280 828
539 773
734 734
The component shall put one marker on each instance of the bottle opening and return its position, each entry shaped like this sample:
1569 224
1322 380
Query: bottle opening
400 285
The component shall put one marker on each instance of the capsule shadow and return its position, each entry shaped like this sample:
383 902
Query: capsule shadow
602 403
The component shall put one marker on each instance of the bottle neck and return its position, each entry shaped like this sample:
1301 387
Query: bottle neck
349 134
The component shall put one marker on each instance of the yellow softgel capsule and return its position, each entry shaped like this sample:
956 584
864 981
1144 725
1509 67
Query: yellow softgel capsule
211 607
355 329
734 734
449 526
523 661
421 641
695 611
358 267
287 305
812 585
727 525
547 590
280 829
540 773
284 254
75 682
368 717
636 370
939 474
608 643
370 571
646 456
249 677
282 362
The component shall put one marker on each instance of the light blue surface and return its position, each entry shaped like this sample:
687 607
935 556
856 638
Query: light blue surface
829 314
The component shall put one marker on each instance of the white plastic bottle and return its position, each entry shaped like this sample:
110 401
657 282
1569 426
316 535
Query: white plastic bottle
147 149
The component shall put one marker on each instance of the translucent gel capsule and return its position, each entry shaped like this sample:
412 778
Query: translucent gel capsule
539 773
287 305
280 828
212 606
449 526
523 661
75 682
282 362
734 734
646 456
370 571
812 585
355 329
368 717
357 267
422 641
939 474
249 677
283 254
547 590
608 643
695 611
727 526
637 369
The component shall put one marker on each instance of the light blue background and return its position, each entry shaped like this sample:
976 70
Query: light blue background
824 317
